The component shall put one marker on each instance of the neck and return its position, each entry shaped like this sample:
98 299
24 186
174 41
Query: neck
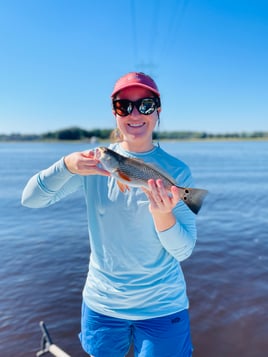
136 146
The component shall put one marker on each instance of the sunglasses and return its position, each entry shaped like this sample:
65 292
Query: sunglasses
145 106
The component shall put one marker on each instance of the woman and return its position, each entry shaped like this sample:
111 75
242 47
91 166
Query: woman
135 290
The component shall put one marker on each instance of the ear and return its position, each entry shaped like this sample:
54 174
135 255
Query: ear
158 117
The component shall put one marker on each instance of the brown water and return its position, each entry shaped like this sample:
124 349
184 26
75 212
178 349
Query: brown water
44 253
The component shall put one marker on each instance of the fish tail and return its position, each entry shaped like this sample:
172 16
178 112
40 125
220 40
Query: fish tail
193 198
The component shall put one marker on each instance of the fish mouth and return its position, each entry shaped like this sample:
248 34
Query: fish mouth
97 154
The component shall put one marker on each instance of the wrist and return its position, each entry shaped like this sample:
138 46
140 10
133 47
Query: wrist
67 164
163 220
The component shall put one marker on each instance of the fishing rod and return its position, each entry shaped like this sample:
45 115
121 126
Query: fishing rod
48 346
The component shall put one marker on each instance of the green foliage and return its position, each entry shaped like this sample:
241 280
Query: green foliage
76 133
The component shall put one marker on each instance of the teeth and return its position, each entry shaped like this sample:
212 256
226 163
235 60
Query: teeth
136 125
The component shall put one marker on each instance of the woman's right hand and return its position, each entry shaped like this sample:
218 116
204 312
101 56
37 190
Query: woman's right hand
83 163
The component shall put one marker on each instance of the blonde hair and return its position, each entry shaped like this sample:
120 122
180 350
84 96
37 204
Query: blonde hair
116 136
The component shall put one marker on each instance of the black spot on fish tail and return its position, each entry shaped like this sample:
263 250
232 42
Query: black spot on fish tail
186 192
193 198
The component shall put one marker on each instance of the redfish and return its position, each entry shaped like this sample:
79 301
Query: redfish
136 173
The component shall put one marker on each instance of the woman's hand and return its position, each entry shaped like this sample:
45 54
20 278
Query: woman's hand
162 204
160 199
83 163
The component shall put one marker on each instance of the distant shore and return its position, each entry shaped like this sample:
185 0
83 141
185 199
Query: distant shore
75 134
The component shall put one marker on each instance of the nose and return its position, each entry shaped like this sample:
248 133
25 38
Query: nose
135 112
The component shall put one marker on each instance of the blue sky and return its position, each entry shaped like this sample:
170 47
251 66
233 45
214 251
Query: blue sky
59 60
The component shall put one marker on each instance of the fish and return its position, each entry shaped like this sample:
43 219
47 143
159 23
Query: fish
133 172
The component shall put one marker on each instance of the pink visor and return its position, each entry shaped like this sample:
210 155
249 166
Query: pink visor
135 79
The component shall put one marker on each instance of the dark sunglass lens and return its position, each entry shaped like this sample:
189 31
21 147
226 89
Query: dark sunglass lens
122 107
147 106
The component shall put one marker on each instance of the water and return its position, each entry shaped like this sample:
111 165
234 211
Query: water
44 253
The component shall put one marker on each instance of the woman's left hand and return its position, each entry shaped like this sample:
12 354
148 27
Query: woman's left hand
162 204
160 199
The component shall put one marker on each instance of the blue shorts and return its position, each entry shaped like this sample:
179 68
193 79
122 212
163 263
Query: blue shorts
167 336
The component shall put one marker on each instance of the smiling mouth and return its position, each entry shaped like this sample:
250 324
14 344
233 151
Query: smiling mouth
137 125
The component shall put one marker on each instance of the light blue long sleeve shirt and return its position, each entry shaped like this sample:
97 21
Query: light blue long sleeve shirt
134 270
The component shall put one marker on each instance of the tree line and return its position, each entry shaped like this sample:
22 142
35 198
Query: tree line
76 133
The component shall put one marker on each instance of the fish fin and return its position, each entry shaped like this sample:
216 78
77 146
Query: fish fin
193 198
123 176
122 187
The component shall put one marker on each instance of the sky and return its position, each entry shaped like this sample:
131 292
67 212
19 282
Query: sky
59 60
